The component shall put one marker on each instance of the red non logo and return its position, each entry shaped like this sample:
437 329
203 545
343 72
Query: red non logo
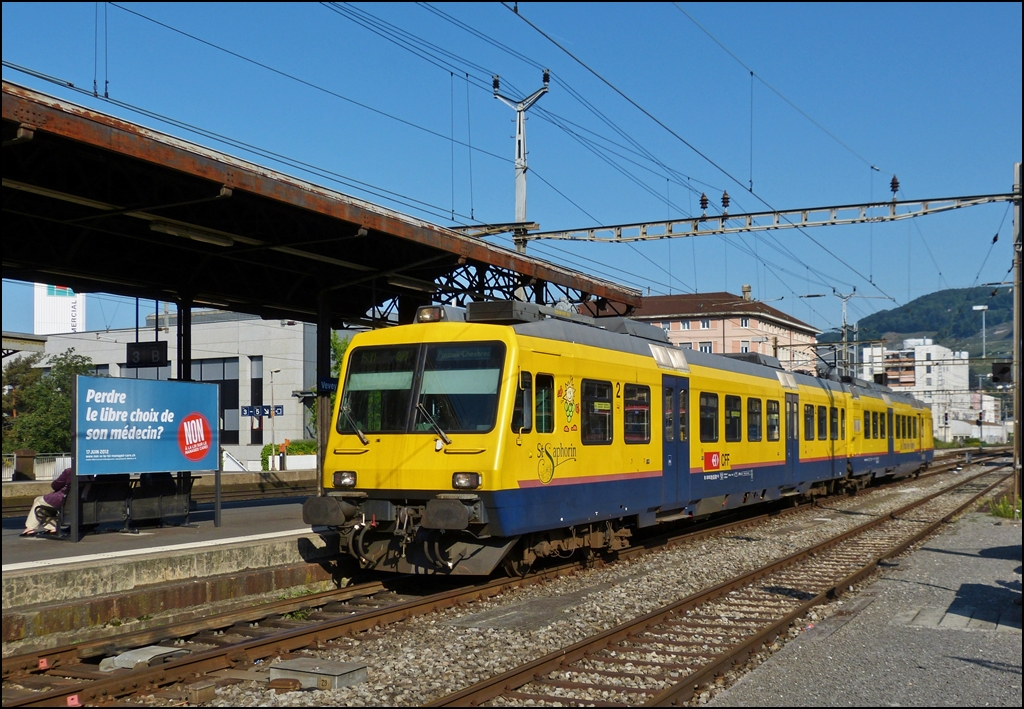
194 436
712 461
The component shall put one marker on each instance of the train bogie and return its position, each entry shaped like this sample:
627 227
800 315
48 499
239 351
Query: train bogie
520 434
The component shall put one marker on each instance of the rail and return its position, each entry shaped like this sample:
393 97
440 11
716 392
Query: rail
713 630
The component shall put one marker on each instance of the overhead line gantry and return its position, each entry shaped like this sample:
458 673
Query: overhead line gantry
725 223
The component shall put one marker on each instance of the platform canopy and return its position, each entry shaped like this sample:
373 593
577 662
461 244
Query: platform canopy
98 203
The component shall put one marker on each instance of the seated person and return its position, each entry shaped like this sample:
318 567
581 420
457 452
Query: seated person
54 499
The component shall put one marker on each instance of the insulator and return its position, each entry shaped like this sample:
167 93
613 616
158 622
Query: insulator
725 200
703 201
495 82
894 185
547 77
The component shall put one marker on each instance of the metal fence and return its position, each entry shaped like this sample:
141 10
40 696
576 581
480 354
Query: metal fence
47 466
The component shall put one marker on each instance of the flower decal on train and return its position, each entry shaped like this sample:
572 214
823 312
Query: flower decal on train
567 393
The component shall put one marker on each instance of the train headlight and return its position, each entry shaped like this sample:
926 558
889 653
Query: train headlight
429 313
344 478
466 481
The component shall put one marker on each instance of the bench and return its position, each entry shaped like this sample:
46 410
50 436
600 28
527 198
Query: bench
117 499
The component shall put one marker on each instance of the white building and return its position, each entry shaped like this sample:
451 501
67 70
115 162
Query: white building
936 375
256 363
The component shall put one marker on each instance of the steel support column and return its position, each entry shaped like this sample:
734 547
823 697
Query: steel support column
325 383
184 338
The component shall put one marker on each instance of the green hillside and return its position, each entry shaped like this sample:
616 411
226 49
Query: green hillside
948 314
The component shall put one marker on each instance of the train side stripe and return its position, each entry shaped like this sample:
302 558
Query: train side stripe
592 479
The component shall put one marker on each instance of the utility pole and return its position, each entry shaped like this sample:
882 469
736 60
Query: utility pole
521 107
844 369
845 298
1018 330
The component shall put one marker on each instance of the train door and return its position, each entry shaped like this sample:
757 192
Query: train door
675 439
792 437
889 432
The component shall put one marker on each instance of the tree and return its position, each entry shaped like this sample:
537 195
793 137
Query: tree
19 375
44 422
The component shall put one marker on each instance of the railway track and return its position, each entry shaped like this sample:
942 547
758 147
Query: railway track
238 639
669 655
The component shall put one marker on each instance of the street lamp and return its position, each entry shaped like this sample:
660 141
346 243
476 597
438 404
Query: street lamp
982 308
273 452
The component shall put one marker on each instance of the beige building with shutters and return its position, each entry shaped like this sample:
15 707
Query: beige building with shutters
723 323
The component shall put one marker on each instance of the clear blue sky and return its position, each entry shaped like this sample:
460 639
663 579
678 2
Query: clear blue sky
931 93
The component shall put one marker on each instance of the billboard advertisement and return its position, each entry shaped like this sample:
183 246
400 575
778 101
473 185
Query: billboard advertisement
57 310
145 426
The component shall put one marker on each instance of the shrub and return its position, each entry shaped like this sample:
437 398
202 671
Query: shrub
304 446
1004 508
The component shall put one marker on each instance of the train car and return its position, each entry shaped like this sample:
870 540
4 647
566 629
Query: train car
510 432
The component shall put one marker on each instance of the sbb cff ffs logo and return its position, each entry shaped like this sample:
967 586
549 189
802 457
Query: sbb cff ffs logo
716 461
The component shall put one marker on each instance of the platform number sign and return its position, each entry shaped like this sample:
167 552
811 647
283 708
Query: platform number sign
263 411
146 354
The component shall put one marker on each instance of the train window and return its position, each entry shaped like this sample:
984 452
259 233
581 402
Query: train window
459 387
833 420
881 424
914 432
670 430
596 421
822 423
899 426
903 426
842 424
774 430
808 422
522 409
867 424
683 421
377 390
545 403
754 419
874 424
733 419
708 417
636 420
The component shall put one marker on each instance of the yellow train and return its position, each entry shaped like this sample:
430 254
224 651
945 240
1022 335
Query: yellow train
509 432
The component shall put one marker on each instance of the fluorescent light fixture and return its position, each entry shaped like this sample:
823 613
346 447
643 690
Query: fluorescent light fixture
412 284
207 237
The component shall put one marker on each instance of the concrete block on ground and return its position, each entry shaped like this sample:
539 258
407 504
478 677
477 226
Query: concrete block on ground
957 616
984 620
142 656
313 673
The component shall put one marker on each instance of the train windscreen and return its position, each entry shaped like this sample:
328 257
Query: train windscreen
458 386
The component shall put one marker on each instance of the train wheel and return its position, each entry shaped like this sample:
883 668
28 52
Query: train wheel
514 565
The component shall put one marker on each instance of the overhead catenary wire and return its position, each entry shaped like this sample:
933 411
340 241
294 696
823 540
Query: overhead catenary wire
407 37
685 142
774 90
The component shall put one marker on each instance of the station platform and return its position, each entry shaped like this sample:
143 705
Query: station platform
53 588
940 627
